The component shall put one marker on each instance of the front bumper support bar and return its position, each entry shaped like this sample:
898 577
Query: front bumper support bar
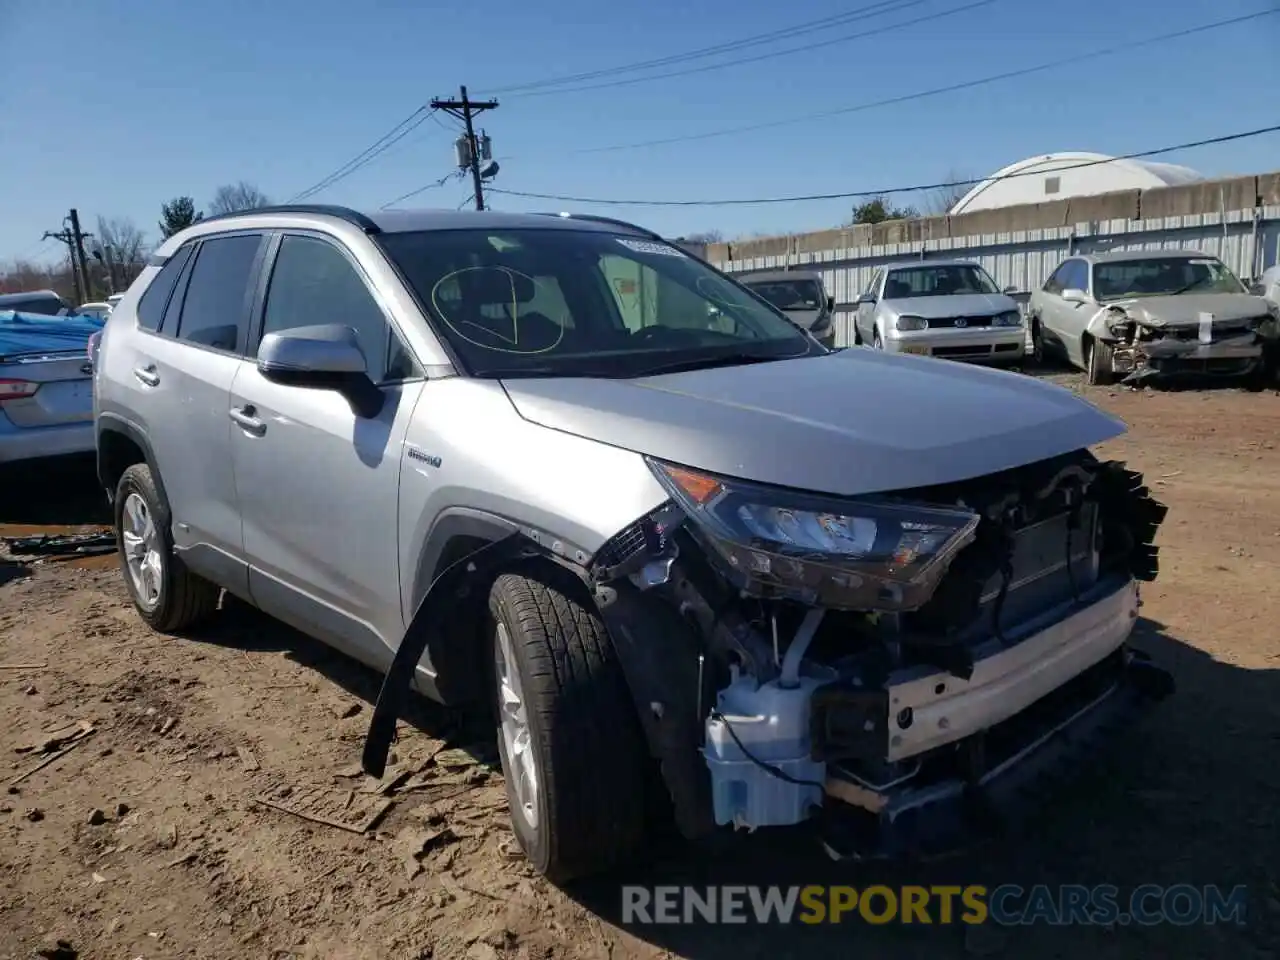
945 817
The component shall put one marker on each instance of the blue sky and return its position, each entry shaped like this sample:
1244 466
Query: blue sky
116 106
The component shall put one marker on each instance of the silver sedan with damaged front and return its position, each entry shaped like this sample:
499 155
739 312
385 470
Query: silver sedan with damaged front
1140 315
948 309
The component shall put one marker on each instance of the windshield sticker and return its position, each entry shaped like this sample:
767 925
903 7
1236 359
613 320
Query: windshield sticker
484 306
648 246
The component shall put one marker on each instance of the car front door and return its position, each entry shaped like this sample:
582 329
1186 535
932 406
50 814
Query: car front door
194 322
864 319
318 484
1071 317
1055 315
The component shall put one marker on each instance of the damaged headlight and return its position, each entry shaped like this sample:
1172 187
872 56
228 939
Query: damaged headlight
860 554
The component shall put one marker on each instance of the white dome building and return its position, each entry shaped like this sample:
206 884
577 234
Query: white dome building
1057 176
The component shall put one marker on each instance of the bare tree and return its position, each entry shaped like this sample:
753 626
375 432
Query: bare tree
704 236
21 276
121 251
940 200
229 198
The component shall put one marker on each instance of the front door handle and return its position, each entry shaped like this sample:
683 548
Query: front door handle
147 375
247 420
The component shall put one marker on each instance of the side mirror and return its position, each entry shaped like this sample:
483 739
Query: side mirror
866 298
1010 291
831 304
325 357
1073 295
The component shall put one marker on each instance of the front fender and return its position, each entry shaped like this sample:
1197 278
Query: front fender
450 587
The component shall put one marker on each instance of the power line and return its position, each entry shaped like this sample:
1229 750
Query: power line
455 175
886 191
770 55
772 36
936 91
378 147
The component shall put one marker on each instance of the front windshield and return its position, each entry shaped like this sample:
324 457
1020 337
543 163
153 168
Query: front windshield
563 302
940 281
789 294
1162 276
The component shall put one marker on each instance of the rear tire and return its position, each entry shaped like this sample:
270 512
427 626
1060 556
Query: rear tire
1097 360
573 753
168 596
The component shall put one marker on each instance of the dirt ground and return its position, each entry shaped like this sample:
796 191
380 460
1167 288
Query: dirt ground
150 838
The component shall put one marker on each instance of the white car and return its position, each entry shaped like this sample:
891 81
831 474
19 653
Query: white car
98 309
950 309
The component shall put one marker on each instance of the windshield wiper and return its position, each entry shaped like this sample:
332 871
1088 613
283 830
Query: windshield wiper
706 363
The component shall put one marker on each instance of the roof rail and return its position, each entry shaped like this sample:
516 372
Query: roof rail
353 217
612 220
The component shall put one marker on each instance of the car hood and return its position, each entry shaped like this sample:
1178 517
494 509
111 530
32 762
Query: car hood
27 333
961 305
1184 309
847 423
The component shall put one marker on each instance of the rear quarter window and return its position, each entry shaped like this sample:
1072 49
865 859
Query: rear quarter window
156 297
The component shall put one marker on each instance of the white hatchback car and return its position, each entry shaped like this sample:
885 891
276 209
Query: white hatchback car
951 309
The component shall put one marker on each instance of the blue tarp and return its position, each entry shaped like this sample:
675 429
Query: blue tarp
32 332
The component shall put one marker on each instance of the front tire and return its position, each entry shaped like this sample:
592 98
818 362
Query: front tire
573 753
877 343
168 596
1098 362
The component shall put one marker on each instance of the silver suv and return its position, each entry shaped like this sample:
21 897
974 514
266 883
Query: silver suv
697 563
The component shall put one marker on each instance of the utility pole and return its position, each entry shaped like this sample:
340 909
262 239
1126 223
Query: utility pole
80 258
465 109
66 237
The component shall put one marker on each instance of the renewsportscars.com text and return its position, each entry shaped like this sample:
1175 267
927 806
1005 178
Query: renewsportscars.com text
1008 905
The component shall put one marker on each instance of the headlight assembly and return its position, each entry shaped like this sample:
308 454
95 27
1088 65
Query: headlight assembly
907 323
1011 318
853 554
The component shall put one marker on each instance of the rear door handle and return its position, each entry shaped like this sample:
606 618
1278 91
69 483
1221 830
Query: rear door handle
247 420
147 375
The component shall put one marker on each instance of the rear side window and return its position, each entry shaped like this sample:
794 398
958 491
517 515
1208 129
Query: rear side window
156 296
214 309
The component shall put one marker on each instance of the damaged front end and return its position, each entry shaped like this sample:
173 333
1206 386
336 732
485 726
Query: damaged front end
899 670
1146 345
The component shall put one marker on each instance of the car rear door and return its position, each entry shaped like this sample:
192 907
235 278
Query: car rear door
318 485
180 373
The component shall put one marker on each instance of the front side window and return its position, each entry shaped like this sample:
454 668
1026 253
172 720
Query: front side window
562 302
1075 276
1163 276
941 281
312 282
214 308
